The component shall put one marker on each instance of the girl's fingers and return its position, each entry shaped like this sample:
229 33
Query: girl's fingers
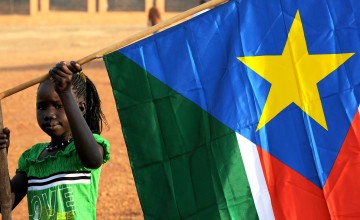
53 75
4 138
58 77
76 66
3 141
63 68
58 72
6 131
2 146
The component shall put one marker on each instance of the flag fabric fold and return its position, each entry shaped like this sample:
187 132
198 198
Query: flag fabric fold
247 111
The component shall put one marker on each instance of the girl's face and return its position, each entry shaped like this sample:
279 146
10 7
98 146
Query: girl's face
50 113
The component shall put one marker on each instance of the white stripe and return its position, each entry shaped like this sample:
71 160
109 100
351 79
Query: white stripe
58 176
59 183
256 178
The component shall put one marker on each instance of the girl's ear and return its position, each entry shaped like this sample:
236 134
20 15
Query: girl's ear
82 107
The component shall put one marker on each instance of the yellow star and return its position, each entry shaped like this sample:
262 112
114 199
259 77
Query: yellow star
294 76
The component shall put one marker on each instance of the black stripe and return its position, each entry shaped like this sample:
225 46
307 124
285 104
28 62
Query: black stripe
54 174
59 179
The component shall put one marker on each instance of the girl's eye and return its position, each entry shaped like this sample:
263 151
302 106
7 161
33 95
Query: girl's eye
41 107
58 106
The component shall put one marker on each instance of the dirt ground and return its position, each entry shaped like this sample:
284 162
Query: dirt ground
29 47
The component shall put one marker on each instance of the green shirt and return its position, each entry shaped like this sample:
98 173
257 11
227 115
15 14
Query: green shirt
59 186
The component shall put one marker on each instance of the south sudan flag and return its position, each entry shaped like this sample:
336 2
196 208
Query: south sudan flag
247 111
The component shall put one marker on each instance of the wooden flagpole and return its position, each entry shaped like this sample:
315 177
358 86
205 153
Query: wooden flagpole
123 43
6 199
5 189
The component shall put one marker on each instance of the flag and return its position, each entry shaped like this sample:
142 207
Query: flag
247 111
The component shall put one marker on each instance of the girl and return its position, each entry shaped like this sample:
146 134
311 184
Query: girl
61 177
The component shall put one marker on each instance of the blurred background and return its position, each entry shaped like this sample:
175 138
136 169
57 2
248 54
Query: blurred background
32 7
35 35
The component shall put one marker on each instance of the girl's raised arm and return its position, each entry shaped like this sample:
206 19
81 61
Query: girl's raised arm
89 151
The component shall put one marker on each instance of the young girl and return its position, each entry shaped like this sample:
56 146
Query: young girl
61 177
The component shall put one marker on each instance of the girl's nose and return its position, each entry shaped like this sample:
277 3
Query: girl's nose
50 116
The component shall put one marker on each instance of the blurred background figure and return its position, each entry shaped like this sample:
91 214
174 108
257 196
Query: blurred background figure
154 15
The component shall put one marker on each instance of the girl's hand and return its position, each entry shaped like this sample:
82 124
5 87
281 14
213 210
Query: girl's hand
5 138
61 75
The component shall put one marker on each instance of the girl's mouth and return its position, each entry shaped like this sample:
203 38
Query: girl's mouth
51 126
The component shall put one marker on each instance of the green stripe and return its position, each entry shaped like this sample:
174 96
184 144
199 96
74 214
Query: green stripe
186 164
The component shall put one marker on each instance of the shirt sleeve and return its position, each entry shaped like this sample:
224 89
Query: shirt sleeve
106 146
23 162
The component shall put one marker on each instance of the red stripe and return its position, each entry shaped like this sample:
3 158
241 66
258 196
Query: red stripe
341 189
292 195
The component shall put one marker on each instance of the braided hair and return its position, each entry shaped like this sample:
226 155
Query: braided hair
84 88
